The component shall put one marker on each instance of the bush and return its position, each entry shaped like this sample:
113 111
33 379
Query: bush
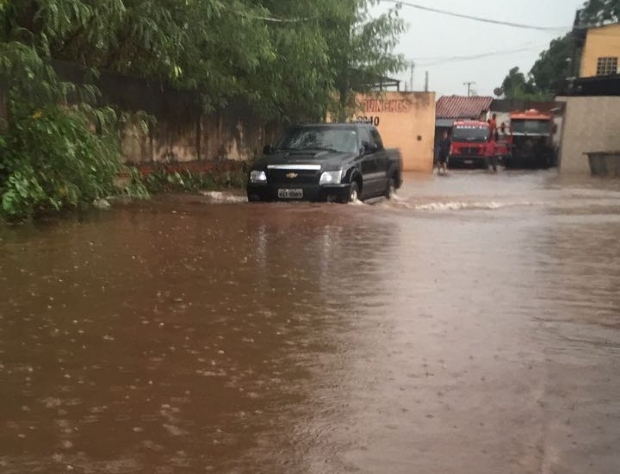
164 180
55 158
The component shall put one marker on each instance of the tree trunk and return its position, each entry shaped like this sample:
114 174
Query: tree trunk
343 102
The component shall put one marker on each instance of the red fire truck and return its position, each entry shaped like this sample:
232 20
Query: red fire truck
532 140
472 145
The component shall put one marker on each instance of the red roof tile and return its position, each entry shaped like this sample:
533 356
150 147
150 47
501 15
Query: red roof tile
453 107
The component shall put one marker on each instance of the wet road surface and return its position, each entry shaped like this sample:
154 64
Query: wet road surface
471 326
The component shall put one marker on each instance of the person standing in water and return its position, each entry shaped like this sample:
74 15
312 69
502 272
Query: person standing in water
444 152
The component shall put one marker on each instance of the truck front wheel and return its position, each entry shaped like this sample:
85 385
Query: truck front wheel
354 193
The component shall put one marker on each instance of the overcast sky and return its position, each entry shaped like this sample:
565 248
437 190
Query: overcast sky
432 39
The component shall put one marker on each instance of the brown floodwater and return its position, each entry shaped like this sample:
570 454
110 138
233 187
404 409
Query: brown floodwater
470 326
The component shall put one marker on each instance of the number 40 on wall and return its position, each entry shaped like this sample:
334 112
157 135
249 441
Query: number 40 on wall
369 120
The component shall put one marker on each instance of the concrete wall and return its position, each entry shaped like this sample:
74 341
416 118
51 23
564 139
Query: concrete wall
406 120
590 124
230 134
183 131
603 42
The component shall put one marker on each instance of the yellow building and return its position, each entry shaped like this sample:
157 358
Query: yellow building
601 51
405 120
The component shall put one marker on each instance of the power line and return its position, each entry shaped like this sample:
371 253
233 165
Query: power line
529 44
269 19
478 56
477 18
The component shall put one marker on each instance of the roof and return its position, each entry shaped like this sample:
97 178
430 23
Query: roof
471 123
512 105
462 107
530 114
444 123
608 86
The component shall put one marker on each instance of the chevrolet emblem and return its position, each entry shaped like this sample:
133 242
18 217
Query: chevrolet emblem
292 175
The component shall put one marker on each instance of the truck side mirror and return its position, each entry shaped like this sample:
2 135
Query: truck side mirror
268 149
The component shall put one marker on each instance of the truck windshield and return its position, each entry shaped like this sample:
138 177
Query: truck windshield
343 140
533 127
470 133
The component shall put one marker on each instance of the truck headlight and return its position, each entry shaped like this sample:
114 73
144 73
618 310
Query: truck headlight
331 177
257 176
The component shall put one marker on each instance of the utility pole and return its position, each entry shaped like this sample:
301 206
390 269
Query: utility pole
411 80
426 82
469 84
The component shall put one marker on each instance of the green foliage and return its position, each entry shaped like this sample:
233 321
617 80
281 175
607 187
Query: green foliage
131 185
554 65
288 59
361 52
55 156
515 84
53 160
546 76
599 12
188 181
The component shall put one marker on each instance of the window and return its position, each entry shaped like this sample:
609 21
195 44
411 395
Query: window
365 136
533 127
376 137
606 66
341 139
471 133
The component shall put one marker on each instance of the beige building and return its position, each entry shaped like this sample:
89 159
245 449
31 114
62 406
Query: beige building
406 120
592 110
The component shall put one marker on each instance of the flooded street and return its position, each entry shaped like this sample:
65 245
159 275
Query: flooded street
471 326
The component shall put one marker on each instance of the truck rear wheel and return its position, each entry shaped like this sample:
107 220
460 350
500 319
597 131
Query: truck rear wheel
390 189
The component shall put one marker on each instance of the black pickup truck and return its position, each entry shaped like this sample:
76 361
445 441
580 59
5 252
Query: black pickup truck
326 162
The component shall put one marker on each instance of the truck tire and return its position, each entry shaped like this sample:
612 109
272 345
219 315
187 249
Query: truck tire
354 193
390 189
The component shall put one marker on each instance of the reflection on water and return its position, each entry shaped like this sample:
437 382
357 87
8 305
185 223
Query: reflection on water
469 326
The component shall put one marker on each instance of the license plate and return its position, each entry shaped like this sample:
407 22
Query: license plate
290 193
469 162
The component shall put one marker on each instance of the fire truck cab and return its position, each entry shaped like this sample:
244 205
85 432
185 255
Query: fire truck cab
532 140
472 144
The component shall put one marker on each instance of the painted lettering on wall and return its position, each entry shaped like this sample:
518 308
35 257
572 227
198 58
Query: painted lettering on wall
390 106
368 120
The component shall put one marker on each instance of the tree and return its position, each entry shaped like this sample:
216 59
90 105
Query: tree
553 66
547 75
598 12
295 81
515 84
362 52
286 58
